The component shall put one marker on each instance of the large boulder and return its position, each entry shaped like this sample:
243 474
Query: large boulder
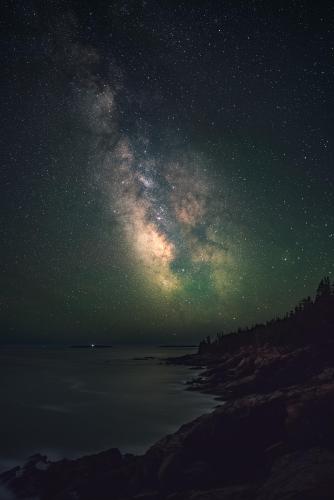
301 475
224 447
310 416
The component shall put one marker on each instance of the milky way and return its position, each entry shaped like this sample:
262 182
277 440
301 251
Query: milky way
165 211
167 215
166 204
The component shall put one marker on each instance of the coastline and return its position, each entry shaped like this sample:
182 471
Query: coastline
272 438
81 402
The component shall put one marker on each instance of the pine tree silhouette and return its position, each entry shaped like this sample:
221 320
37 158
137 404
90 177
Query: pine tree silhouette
311 322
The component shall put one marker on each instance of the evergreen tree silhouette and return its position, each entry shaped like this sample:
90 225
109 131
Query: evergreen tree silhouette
324 288
311 322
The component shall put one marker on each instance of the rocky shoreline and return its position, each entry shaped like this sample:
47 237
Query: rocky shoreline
270 437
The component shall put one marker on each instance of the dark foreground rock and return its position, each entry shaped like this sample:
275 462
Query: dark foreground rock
303 474
272 438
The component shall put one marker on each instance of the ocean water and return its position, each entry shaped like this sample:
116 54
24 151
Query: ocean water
66 402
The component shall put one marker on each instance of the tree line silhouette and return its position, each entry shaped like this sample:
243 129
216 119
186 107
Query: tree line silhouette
311 321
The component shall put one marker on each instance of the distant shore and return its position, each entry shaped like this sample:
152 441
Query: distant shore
90 346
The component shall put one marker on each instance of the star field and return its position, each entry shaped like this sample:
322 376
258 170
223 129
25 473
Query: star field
168 166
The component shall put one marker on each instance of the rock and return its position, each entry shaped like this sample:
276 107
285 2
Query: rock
310 416
179 471
301 475
66 479
226 446
150 495
265 369
244 492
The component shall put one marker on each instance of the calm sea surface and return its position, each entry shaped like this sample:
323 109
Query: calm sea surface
68 402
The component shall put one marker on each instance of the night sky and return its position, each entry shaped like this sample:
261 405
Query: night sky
167 166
